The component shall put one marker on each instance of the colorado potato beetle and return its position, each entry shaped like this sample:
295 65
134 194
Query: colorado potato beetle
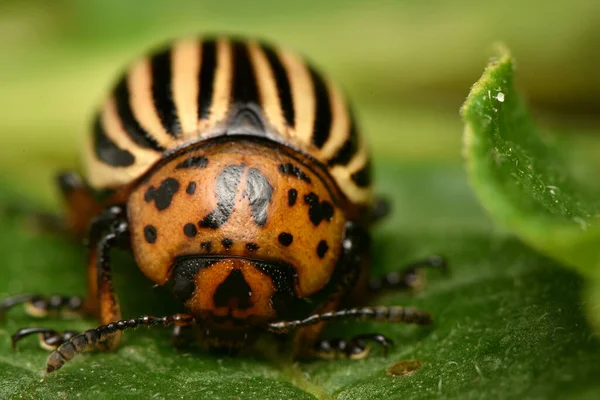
236 175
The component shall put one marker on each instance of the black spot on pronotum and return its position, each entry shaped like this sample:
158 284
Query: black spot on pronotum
190 230
291 169
285 238
150 234
225 190
163 195
318 210
193 162
322 248
227 243
259 192
252 246
234 291
191 189
206 246
292 196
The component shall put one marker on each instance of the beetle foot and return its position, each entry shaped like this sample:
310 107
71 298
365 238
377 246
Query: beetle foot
354 348
40 306
409 278
49 338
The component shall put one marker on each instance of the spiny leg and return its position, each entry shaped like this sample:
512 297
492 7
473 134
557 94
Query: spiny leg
395 314
355 347
41 306
49 338
379 210
411 277
90 339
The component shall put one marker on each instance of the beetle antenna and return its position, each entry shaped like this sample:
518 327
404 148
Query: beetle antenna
407 315
93 337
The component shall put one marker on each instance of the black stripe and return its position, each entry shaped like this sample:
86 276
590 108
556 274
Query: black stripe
128 121
283 84
162 92
348 149
106 150
362 177
244 87
206 77
322 125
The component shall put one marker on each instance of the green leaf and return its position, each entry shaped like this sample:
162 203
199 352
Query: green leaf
508 321
521 177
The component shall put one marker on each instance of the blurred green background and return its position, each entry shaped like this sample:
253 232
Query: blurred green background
407 65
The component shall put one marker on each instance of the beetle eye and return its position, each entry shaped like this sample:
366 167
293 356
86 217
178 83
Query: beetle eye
184 275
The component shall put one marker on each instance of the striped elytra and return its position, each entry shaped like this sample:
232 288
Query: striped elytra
196 89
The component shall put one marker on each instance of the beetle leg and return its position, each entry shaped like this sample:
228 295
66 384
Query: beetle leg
407 315
179 336
41 306
411 277
80 202
379 210
355 348
49 338
91 338
109 308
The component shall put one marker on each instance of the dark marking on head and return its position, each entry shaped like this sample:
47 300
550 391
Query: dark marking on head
322 124
191 189
283 84
252 246
226 189
184 276
292 196
190 230
259 192
322 248
285 300
163 195
206 77
193 162
107 151
206 246
285 238
150 234
318 210
291 169
233 292
362 177
227 243
128 121
162 92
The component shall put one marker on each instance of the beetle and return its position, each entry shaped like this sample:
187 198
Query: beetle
235 173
